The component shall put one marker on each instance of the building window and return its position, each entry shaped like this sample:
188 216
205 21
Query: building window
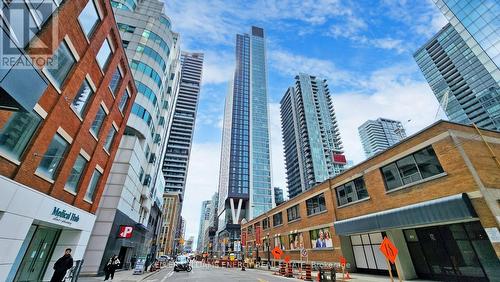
351 191
293 213
366 250
97 123
417 166
80 102
90 194
16 130
115 80
265 223
277 219
110 138
61 64
316 204
89 18
76 174
104 55
123 101
53 156
126 28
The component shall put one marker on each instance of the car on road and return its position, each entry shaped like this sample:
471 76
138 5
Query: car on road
182 264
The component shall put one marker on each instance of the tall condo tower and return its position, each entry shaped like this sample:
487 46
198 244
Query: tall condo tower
176 160
133 195
313 148
204 220
245 189
465 83
477 23
378 135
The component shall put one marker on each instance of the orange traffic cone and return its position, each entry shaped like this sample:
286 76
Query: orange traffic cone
347 276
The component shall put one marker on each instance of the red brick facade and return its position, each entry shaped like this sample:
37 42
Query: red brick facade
60 114
469 167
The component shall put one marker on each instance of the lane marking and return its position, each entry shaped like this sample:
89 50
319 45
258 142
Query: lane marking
168 276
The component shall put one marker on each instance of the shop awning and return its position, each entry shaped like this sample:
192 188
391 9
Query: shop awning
451 208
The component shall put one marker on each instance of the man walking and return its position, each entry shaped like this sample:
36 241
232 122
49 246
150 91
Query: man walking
61 266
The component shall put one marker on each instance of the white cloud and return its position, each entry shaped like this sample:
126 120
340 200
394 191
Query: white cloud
218 67
217 21
395 95
292 64
202 181
390 44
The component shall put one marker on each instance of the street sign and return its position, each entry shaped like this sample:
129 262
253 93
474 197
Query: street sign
125 231
243 238
257 235
389 250
277 253
287 259
303 253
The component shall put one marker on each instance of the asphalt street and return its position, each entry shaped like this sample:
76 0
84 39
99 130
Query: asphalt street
207 273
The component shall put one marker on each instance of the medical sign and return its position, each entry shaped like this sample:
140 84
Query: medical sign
125 231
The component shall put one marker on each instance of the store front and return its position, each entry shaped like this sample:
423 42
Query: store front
438 240
458 251
35 229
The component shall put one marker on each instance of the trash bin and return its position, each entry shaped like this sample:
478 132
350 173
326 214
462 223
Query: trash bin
326 274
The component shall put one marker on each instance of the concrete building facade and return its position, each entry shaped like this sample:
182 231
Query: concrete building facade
134 191
62 116
312 144
171 207
434 195
378 135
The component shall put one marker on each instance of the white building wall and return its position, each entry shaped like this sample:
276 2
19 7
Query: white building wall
20 207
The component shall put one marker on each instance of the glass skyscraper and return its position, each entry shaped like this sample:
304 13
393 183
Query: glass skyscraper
378 135
313 148
452 67
478 24
245 189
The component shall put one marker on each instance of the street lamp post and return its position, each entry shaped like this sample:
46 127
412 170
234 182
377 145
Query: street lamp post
268 253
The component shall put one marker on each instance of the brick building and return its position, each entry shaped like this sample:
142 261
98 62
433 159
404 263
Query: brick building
434 195
61 120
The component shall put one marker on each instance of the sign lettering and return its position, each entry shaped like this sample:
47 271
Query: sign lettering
125 232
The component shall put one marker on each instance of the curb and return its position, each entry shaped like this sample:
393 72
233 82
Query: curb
151 274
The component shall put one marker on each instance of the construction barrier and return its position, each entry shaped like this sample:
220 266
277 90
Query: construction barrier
282 269
308 273
289 271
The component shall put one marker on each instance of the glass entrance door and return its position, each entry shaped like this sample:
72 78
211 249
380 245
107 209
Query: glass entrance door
38 254
451 253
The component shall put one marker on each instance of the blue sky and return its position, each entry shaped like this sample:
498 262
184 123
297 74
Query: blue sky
363 48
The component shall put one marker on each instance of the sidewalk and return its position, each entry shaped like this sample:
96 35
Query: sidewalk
123 275
358 277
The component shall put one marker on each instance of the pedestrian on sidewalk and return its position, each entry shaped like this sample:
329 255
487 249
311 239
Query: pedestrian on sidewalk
61 266
110 267
132 261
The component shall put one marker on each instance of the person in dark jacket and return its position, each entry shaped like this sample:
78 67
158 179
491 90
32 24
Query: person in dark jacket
110 267
61 266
